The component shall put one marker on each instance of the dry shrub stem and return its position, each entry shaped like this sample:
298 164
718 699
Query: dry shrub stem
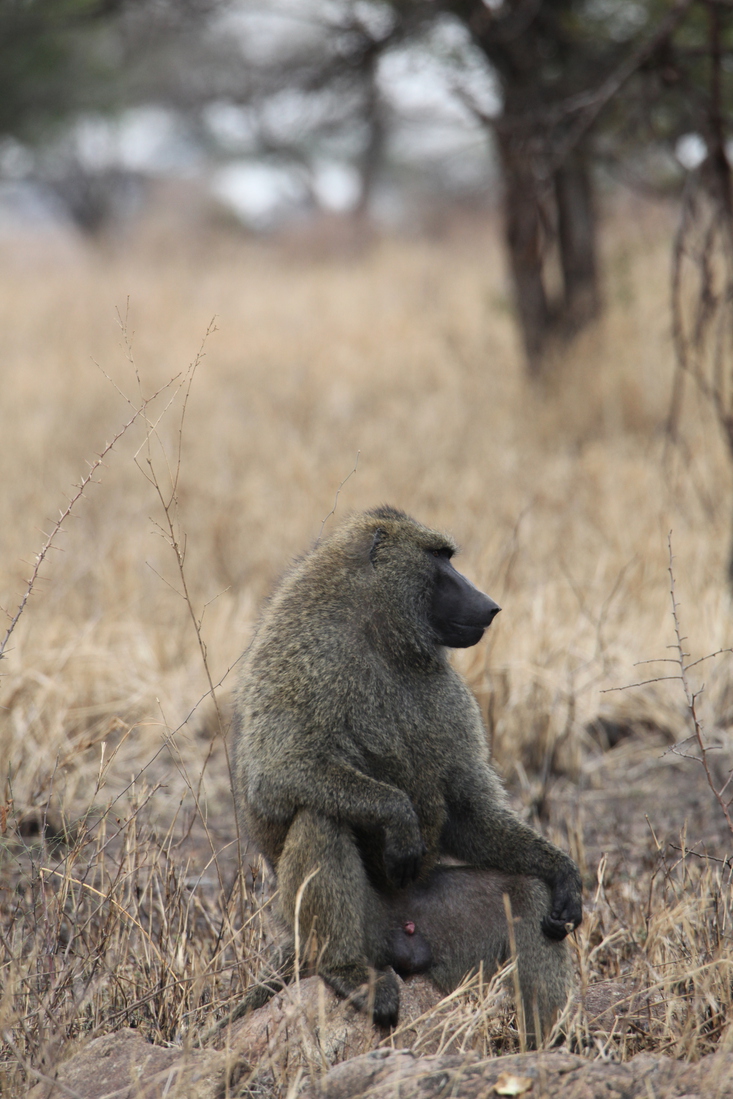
521 1021
58 526
176 539
692 698
336 497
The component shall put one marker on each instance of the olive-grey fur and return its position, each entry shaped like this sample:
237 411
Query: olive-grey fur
460 912
360 754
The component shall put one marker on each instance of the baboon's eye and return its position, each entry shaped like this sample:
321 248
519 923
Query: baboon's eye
443 552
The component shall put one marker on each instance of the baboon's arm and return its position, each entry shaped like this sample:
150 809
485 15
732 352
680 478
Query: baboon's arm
483 830
339 791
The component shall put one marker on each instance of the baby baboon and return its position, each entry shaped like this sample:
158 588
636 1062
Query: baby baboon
456 920
360 760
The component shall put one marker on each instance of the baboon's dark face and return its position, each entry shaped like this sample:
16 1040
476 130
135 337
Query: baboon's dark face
459 613
417 581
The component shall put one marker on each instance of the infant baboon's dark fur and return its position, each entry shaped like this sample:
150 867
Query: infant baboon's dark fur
360 754
460 922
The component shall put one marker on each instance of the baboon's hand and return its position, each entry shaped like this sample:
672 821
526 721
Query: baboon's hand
404 851
567 904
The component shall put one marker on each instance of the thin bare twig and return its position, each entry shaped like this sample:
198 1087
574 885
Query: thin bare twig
685 665
336 498
176 539
640 683
58 525
691 696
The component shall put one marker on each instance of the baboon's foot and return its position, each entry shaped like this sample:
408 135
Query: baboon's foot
368 990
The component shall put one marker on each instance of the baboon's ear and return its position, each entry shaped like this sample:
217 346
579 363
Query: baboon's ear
379 535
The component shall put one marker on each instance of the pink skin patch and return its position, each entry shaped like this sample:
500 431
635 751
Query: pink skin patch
409 928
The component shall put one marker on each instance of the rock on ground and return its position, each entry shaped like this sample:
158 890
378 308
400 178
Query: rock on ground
383 1074
307 1037
302 1031
124 1066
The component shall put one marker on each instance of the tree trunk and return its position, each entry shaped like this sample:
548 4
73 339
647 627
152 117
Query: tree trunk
370 162
576 225
523 233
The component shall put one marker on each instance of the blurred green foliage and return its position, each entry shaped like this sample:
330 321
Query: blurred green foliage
56 58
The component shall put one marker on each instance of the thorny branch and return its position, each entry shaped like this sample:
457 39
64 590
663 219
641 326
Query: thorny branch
336 498
67 511
171 531
691 698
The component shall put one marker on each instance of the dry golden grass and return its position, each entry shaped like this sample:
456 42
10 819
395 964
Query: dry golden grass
405 355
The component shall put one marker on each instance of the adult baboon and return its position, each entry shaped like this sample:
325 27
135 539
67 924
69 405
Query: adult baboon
360 759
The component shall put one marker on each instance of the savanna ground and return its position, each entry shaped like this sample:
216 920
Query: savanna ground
120 898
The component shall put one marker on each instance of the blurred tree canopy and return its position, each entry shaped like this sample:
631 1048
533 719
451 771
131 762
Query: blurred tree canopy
564 88
62 57
57 57
578 85
67 62
42 61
